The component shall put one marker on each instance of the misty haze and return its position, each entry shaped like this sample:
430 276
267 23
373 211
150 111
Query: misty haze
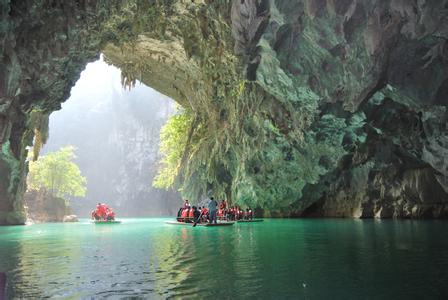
116 135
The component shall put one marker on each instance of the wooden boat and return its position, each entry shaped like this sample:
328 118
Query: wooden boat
106 222
200 224
250 221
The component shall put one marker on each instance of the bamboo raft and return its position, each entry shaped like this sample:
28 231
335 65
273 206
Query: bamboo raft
106 222
200 224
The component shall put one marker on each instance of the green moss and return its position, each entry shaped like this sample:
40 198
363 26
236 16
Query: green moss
14 165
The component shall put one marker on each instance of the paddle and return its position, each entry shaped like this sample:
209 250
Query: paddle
197 220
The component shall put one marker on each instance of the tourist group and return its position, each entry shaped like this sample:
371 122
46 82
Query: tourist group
103 213
212 213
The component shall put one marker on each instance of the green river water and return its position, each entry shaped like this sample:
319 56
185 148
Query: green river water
275 259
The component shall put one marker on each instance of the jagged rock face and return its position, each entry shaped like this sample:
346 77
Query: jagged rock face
42 207
383 61
334 108
44 47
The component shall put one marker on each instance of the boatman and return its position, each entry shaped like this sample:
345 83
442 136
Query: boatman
186 204
212 210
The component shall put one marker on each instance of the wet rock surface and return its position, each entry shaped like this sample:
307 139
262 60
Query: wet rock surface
42 207
70 219
313 108
383 62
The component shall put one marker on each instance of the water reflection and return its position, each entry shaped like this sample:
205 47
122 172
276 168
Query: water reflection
274 259
35 250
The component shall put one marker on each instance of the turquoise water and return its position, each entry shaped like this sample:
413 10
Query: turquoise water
307 259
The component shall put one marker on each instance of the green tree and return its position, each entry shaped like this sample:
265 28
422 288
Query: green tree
173 140
57 173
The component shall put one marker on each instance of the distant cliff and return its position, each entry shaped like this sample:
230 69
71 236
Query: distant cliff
116 133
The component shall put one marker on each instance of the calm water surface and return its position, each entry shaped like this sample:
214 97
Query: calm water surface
306 259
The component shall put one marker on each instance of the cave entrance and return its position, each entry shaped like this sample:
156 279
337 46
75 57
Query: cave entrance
115 133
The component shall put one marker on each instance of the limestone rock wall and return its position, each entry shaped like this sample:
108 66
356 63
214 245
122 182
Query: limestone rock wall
42 207
383 62
44 46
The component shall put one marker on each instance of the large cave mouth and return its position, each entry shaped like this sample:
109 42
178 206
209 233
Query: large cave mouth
289 104
115 133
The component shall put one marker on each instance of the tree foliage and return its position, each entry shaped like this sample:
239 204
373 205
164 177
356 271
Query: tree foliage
173 140
57 173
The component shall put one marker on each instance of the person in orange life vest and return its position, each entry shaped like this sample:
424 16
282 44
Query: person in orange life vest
231 213
105 208
99 210
238 213
186 204
191 213
184 214
102 210
222 208
204 213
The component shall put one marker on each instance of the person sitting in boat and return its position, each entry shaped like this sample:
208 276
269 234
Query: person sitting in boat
196 215
204 213
238 213
250 215
223 205
246 214
98 209
184 215
110 215
230 214
95 215
220 214
186 204
191 215
102 210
